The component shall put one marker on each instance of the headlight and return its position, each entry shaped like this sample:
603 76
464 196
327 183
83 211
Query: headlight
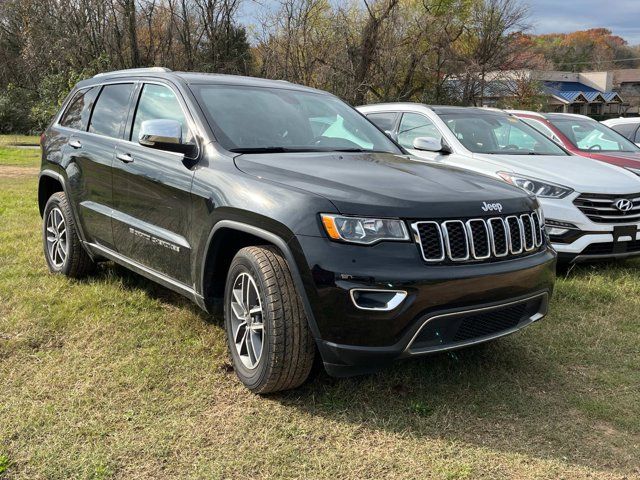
538 187
634 170
363 230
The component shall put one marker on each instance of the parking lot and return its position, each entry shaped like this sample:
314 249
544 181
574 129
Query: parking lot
116 377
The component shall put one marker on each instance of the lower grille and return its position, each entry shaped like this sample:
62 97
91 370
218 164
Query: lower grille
448 330
606 208
484 324
612 248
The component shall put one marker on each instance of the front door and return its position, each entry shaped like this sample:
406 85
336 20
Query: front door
151 191
414 125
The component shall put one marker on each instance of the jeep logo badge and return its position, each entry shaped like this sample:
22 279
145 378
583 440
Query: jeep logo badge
624 205
491 207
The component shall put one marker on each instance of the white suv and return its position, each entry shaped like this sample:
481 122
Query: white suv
592 209
628 127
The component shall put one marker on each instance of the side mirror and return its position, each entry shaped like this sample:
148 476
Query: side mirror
163 134
430 144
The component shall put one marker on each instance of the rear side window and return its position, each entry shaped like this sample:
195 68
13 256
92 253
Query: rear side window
385 121
158 102
626 129
110 111
79 110
541 127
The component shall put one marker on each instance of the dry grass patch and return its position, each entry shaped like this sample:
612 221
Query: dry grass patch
115 377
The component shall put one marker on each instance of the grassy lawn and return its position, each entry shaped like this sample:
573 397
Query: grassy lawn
115 377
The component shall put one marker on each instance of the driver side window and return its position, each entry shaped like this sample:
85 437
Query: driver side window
158 102
511 137
414 125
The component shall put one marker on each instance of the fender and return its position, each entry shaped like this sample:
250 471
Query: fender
286 251
47 172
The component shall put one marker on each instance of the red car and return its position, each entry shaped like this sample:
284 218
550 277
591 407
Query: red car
586 137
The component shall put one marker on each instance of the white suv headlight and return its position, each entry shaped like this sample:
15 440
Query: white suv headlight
363 230
540 188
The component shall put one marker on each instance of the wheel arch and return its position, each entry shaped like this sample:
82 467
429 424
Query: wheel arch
226 238
49 183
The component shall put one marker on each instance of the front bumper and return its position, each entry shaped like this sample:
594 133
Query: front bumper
352 340
590 241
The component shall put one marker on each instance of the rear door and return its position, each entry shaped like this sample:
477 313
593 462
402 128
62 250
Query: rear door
151 189
94 129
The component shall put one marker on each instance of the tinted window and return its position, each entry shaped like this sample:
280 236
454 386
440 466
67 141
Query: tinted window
385 121
258 118
541 127
111 109
637 140
493 133
589 135
414 125
626 129
79 110
158 102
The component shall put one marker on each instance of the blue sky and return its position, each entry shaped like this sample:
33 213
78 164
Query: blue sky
622 17
546 16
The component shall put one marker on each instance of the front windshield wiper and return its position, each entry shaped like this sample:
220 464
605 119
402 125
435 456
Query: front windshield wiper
272 149
300 149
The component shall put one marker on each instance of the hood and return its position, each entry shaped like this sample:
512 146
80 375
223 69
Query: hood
622 159
381 184
579 173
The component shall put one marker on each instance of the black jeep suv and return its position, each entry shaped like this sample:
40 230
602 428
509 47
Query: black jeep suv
313 231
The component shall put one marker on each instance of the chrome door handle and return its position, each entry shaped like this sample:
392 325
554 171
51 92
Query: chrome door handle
124 157
75 143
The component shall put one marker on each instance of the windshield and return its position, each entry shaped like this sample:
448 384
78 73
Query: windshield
589 135
261 120
495 133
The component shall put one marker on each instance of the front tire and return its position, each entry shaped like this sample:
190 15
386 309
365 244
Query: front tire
63 249
267 331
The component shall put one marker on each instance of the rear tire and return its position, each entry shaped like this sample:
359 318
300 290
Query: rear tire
267 330
63 249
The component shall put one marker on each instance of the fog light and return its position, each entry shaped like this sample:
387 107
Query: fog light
554 228
375 299
555 231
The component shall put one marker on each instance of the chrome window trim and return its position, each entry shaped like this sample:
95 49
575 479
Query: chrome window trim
138 83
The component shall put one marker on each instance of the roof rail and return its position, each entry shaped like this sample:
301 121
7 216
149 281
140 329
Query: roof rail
135 70
525 112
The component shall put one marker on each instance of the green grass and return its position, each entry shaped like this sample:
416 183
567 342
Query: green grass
115 377
9 140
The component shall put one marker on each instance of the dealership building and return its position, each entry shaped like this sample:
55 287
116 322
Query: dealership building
602 94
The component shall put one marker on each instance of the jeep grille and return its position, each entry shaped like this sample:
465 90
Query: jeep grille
479 239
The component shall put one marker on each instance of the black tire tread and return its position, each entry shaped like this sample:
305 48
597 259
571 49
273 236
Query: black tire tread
79 263
292 346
